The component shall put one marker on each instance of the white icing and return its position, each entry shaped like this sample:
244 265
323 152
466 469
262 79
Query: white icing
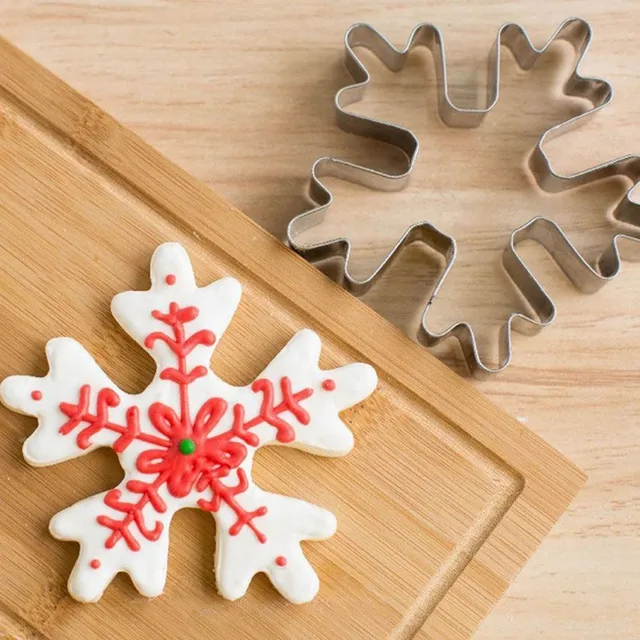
238 557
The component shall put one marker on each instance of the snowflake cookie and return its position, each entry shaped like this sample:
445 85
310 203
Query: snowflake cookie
188 440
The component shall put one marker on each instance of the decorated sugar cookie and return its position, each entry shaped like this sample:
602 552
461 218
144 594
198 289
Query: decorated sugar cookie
188 440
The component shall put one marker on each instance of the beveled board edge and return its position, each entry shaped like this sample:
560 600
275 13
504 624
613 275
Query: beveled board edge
545 492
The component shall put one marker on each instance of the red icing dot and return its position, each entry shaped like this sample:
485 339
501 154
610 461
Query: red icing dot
95 564
36 395
281 561
170 279
328 385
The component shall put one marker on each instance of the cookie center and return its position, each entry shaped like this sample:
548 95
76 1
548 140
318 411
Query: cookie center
187 446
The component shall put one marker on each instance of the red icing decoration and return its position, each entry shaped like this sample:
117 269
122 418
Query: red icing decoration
36 395
214 458
170 279
329 385
95 564
281 561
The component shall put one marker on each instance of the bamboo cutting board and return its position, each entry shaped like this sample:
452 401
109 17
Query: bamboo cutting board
440 503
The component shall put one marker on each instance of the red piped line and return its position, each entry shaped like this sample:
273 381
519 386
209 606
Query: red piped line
79 413
270 415
215 456
222 492
182 347
120 528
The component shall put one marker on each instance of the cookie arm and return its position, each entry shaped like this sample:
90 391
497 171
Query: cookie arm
314 419
74 387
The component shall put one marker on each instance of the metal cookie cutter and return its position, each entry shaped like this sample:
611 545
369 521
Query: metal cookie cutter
586 277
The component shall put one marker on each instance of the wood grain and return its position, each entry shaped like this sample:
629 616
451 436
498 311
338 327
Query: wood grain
441 504
240 96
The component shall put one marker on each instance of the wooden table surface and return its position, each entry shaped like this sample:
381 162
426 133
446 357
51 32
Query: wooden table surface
240 94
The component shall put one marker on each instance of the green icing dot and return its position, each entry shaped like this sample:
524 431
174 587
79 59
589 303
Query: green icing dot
187 446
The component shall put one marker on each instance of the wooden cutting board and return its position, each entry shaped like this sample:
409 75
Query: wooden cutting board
442 501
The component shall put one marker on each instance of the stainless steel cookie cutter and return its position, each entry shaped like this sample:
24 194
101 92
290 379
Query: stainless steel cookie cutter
586 277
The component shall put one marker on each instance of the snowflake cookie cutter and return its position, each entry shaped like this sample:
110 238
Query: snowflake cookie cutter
587 277
188 440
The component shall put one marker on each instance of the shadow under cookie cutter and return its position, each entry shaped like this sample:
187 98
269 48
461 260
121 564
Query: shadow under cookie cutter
586 277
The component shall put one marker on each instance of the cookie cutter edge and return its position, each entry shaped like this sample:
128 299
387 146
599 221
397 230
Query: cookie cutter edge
587 278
